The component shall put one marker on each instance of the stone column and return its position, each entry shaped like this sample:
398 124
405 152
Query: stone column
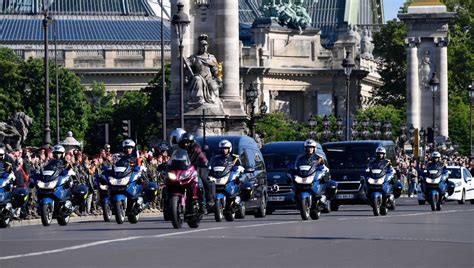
442 44
413 90
272 103
227 42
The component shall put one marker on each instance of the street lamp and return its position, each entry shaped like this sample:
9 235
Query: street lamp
339 132
471 97
387 133
434 85
365 125
326 131
180 22
377 131
46 21
251 95
348 63
312 124
354 131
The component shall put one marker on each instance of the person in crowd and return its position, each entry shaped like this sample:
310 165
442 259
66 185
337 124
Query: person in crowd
412 176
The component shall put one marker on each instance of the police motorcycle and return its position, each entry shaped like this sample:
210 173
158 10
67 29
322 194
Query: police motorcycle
54 189
435 186
124 193
225 176
309 183
6 196
381 192
183 203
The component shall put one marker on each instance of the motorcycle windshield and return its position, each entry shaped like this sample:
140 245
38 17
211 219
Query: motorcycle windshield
434 171
122 168
303 169
220 167
180 160
378 170
52 170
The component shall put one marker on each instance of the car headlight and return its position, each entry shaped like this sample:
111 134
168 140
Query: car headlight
305 180
375 181
119 182
457 184
47 185
223 180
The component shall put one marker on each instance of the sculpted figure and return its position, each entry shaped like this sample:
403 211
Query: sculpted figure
205 83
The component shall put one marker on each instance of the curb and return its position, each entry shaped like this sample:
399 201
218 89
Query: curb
33 222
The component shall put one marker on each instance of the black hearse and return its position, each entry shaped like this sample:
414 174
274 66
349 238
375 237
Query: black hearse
348 161
279 157
254 179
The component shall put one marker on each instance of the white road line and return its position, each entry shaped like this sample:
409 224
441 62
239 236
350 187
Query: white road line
264 224
87 245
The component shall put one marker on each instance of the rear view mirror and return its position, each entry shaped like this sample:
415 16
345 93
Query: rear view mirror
249 170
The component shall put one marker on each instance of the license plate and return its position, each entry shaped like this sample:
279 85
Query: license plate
276 198
345 196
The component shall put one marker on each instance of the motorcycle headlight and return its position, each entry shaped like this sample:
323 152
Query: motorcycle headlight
223 180
375 181
305 180
172 176
119 182
47 185
433 181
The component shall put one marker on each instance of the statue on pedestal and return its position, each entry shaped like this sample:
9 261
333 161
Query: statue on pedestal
291 14
206 81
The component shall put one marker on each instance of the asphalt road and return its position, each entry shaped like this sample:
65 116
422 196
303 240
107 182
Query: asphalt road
411 236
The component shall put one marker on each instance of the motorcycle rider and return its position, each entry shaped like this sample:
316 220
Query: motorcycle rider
130 153
199 160
175 138
435 163
226 155
310 156
382 163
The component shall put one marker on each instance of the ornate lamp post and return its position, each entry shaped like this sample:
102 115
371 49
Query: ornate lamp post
354 131
348 63
312 125
180 22
251 95
326 131
340 132
46 21
387 133
365 125
377 133
423 143
471 98
434 85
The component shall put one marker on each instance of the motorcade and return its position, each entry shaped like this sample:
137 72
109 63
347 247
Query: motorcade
183 191
253 180
348 161
461 179
124 193
279 158
53 184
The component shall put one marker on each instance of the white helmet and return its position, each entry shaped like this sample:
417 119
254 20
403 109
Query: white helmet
176 135
128 143
310 143
380 150
435 154
58 149
225 144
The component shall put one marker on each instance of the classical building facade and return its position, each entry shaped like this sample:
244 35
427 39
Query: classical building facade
116 42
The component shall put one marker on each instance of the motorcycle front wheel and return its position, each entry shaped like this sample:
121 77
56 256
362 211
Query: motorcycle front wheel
433 202
376 208
176 212
240 213
219 210
46 215
63 221
119 212
305 207
106 212
133 218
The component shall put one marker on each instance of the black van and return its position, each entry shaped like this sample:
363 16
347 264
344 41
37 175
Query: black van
279 157
254 178
347 163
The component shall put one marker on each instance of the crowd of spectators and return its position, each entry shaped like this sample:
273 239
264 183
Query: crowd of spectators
87 168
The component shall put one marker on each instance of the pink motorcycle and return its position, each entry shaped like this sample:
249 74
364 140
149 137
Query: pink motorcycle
183 191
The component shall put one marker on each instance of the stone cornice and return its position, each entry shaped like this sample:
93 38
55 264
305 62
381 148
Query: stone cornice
116 71
300 72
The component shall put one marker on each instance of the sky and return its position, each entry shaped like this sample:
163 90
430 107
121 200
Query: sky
391 8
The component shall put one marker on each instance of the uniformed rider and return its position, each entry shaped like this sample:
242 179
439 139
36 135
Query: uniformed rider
226 156
381 163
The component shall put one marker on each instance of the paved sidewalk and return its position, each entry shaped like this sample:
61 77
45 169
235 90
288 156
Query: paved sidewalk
16 223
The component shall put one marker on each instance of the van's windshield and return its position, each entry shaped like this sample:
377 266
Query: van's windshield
278 162
349 156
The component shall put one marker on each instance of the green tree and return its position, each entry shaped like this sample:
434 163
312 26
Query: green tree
390 46
382 113
277 127
11 86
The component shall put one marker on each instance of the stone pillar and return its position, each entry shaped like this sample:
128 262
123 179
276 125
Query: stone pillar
227 42
272 103
413 89
148 57
442 44
109 58
69 55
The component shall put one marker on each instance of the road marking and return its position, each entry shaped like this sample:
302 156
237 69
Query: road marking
264 224
87 245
